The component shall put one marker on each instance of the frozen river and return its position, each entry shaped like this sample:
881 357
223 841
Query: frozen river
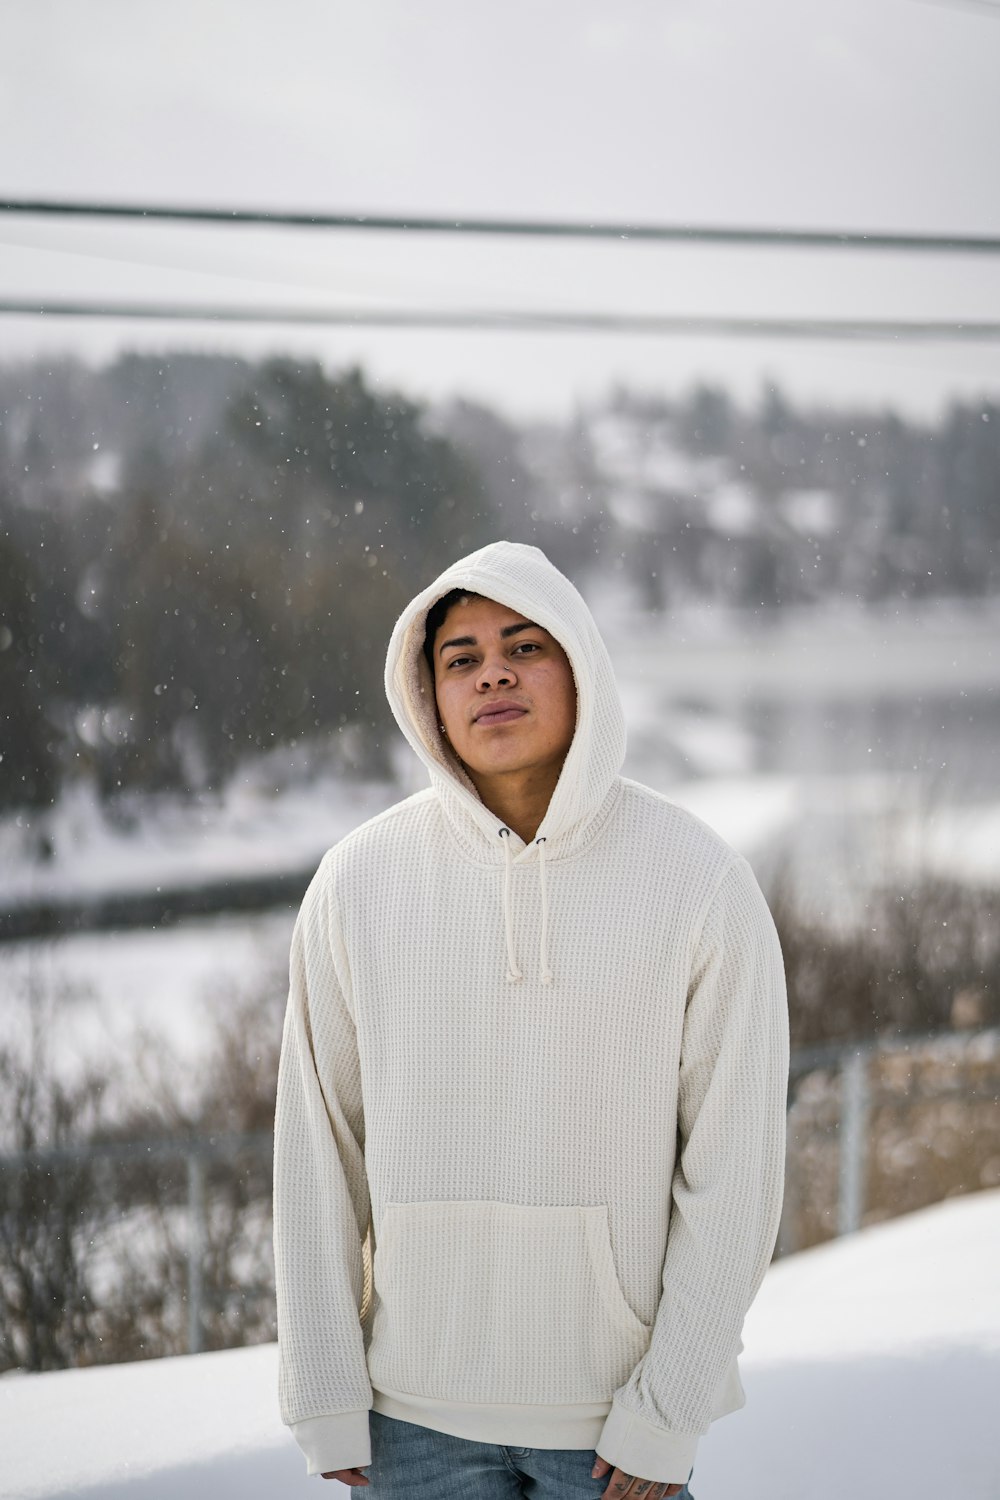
867 741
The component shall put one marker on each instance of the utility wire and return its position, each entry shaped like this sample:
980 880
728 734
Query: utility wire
983 7
825 239
515 321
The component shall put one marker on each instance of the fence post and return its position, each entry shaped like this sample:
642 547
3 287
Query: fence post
196 1247
853 1141
788 1227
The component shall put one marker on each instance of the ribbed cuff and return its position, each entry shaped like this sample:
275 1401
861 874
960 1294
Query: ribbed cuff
637 1447
340 1441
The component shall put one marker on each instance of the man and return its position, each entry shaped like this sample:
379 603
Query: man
535 1053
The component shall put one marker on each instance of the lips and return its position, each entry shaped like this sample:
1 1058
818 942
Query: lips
501 713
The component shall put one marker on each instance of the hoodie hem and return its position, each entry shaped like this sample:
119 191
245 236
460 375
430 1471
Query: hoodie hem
523 1426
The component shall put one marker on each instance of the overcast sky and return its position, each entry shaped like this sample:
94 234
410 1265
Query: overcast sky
857 114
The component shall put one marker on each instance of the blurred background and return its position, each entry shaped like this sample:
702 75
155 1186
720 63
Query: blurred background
703 299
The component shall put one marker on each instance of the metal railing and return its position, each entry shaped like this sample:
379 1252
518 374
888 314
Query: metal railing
195 1153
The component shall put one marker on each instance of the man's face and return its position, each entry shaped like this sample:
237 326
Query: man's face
505 691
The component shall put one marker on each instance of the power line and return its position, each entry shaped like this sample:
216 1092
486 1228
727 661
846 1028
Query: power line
827 239
983 7
520 320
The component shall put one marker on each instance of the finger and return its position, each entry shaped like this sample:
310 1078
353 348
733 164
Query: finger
619 1486
601 1467
630 1487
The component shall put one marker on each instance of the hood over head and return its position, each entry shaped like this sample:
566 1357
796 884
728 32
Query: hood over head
522 578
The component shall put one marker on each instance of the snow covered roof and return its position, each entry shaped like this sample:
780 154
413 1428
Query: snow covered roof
733 509
811 512
638 456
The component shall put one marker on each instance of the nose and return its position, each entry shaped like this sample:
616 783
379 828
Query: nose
495 672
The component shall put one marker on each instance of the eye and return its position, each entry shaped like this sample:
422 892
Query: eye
457 661
528 646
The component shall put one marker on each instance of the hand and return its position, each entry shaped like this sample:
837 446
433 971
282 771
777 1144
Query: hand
622 1484
348 1476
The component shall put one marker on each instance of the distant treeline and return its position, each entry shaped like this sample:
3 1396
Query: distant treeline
776 505
201 557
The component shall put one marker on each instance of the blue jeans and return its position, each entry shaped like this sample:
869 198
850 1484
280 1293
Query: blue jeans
416 1463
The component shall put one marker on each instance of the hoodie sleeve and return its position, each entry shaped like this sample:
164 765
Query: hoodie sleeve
726 1190
321 1204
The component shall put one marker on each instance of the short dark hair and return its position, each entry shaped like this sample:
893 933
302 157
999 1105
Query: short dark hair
436 616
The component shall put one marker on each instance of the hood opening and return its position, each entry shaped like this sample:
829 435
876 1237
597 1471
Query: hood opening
522 578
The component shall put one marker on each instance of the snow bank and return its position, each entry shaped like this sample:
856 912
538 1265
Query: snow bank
112 990
253 830
196 1426
872 1368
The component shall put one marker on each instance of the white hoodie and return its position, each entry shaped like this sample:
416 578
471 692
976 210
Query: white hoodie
547 1081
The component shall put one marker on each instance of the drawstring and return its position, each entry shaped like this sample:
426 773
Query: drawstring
513 971
543 941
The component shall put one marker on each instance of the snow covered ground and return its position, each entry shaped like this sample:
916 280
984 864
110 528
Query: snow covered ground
872 1370
117 994
252 829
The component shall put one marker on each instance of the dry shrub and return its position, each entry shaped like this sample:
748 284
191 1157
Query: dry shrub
228 1100
933 1132
49 1210
922 959
919 961
94 1248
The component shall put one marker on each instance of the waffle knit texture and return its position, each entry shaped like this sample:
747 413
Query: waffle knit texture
571 1188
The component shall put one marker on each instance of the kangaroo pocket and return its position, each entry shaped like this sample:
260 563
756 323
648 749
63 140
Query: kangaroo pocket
488 1303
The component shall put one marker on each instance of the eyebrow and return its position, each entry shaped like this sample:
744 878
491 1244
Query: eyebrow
505 634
